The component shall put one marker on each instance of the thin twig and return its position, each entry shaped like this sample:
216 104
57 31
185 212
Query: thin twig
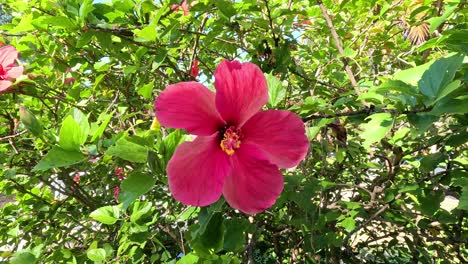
353 186
13 136
336 38
270 19
197 39
365 223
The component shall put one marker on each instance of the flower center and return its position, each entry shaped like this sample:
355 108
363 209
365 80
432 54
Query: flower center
231 140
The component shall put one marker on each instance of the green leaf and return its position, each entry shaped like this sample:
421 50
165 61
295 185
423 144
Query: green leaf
25 24
133 186
146 34
348 223
174 139
128 150
140 209
105 121
400 135
30 121
212 237
234 236
85 8
225 8
371 97
155 163
430 202
146 90
82 121
84 39
161 55
188 259
71 136
57 21
408 188
450 88
59 157
430 162
312 132
96 254
276 90
23 258
412 75
451 106
422 121
108 248
398 86
435 22
456 140
102 66
376 129
439 75
107 214
463 202
349 52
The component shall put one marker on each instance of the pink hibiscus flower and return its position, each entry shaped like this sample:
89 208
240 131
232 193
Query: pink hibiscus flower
8 68
239 149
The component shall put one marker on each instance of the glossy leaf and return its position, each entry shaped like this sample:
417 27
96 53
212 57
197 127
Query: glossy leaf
276 90
59 157
134 185
30 121
128 150
107 215
376 128
439 75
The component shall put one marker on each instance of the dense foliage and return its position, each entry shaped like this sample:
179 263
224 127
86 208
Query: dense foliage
380 86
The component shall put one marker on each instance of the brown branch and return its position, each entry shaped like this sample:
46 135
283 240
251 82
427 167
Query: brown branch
367 111
197 39
270 19
234 43
294 71
336 38
23 190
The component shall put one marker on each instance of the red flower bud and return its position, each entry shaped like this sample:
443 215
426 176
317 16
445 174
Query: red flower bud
76 178
194 69
116 190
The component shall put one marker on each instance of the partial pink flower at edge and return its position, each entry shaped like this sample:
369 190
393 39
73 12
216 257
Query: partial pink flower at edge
239 148
9 70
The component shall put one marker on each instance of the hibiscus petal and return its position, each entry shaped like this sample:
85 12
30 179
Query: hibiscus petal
8 55
241 91
4 84
280 134
255 183
188 105
197 171
14 72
